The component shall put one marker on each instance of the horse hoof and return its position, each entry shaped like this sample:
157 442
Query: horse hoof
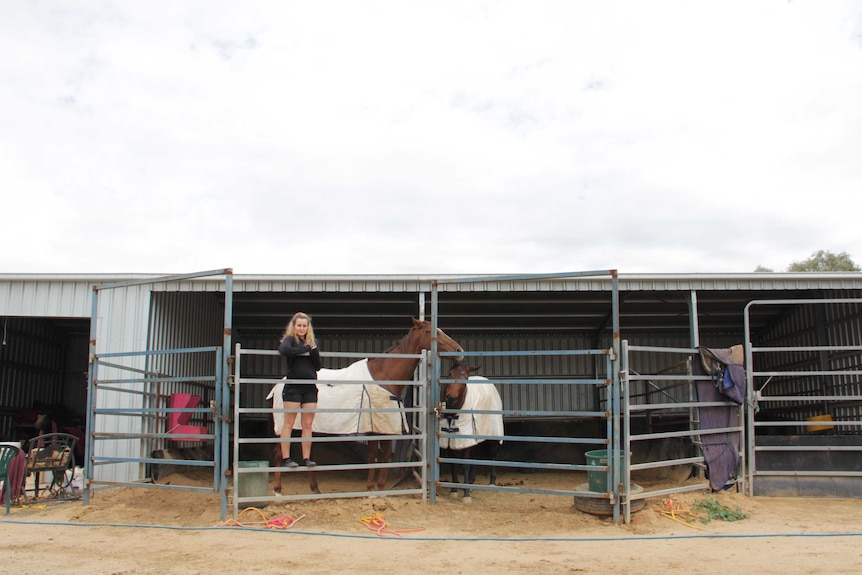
453 494
468 500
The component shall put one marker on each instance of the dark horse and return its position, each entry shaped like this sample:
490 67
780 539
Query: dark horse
56 419
56 448
386 369
483 396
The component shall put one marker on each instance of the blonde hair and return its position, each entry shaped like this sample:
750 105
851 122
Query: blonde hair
290 330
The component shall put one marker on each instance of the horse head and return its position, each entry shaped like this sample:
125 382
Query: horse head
455 393
419 338
48 418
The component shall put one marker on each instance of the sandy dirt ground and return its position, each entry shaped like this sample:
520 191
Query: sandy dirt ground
133 530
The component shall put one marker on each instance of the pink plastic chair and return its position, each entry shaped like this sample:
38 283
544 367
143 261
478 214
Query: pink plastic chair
178 422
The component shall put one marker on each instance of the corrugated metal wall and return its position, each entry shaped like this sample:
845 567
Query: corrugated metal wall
813 325
844 327
122 320
46 298
74 394
39 361
185 320
32 360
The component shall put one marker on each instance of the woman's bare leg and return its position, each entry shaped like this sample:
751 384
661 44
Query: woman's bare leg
287 428
307 422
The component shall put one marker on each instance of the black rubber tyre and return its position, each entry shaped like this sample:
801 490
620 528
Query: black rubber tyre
600 506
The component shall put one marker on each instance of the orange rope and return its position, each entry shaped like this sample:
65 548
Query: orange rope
674 512
285 522
377 523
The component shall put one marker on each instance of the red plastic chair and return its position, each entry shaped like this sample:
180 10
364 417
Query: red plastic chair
178 421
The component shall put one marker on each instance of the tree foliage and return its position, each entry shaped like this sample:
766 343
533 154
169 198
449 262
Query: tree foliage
820 261
825 261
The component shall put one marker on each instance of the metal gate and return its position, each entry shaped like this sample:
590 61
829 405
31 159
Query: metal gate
662 420
603 367
805 400
250 491
141 400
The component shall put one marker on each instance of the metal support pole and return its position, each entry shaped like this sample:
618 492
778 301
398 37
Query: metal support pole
92 374
433 451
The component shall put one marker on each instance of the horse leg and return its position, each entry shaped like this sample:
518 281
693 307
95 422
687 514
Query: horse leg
372 458
453 470
276 460
312 482
469 474
469 478
495 447
386 456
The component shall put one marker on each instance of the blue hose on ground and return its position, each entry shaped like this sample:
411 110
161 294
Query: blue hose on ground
415 538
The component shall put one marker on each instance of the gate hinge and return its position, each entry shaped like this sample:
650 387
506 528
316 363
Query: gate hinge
624 379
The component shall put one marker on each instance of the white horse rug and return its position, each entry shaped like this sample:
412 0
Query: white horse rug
480 396
351 397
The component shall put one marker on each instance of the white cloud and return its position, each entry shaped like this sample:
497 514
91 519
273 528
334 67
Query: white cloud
429 137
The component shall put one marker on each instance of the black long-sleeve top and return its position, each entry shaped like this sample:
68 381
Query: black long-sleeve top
302 361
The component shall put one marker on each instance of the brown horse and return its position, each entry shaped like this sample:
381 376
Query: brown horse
388 369
453 394
483 396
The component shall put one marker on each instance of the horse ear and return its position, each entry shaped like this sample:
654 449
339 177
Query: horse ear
473 368
416 322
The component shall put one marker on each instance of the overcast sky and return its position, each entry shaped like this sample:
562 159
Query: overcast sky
365 137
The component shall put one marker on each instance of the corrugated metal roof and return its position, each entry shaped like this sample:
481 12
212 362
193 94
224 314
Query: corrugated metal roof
398 282
488 304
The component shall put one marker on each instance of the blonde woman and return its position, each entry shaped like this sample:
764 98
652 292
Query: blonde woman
303 362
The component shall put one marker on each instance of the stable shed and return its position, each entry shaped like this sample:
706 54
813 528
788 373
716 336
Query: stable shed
47 320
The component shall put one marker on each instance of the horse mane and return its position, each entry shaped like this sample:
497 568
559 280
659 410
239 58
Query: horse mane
390 368
401 343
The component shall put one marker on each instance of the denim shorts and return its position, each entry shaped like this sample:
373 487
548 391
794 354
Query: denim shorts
300 393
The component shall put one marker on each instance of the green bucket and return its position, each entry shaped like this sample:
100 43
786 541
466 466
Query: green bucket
599 480
250 484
